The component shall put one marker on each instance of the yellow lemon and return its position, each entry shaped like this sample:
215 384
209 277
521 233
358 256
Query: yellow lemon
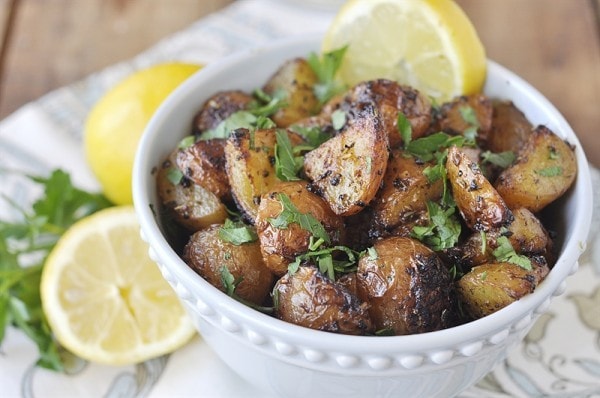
428 44
116 123
105 299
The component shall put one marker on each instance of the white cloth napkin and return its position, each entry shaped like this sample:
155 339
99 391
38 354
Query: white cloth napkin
47 133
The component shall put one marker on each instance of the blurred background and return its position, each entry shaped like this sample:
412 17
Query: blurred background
46 44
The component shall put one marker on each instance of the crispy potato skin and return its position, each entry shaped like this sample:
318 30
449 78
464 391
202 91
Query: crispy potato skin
206 254
348 168
204 164
490 287
451 120
389 98
218 108
404 192
407 286
250 167
280 246
310 299
545 169
190 205
525 233
480 205
297 79
510 128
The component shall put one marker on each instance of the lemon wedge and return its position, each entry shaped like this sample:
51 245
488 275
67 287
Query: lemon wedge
428 44
116 122
104 298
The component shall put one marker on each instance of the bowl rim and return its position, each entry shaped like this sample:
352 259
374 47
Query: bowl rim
482 328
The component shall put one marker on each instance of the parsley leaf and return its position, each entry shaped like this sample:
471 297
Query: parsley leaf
506 253
404 128
326 68
552 171
230 284
255 116
237 233
324 259
290 214
338 119
24 246
443 230
501 159
314 136
287 164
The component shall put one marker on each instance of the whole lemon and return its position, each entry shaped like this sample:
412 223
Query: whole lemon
115 124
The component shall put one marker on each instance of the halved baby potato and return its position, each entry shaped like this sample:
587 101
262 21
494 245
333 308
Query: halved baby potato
348 168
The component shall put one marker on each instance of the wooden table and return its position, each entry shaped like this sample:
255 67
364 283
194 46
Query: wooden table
44 44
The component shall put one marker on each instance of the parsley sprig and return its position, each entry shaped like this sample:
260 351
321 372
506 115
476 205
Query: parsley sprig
443 230
24 246
505 252
326 67
323 257
290 214
237 233
255 117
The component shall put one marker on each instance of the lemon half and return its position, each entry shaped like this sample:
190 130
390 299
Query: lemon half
428 44
105 299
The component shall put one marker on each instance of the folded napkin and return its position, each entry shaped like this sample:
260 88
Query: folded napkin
47 134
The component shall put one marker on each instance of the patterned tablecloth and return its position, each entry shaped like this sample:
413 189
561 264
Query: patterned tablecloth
560 357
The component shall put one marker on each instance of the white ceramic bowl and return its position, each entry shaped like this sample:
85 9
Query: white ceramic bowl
293 361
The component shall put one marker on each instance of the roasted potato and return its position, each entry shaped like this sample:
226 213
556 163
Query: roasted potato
204 164
348 168
218 108
250 166
481 207
407 286
510 128
405 191
207 254
296 79
490 287
310 299
190 205
545 169
389 98
455 116
280 246
525 233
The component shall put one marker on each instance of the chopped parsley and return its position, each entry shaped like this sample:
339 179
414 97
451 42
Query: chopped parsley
443 230
323 258
326 67
404 128
338 119
287 162
500 159
552 171
237 233
290 214
506 253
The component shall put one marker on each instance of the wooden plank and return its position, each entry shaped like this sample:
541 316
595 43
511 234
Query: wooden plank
4 15
57 42
555 45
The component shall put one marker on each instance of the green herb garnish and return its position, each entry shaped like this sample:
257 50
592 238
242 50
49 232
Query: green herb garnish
290 214
287 163
552 171
24 246
338 119
326 68
501 159
237 233
404 128
323 258
506 253
443 230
